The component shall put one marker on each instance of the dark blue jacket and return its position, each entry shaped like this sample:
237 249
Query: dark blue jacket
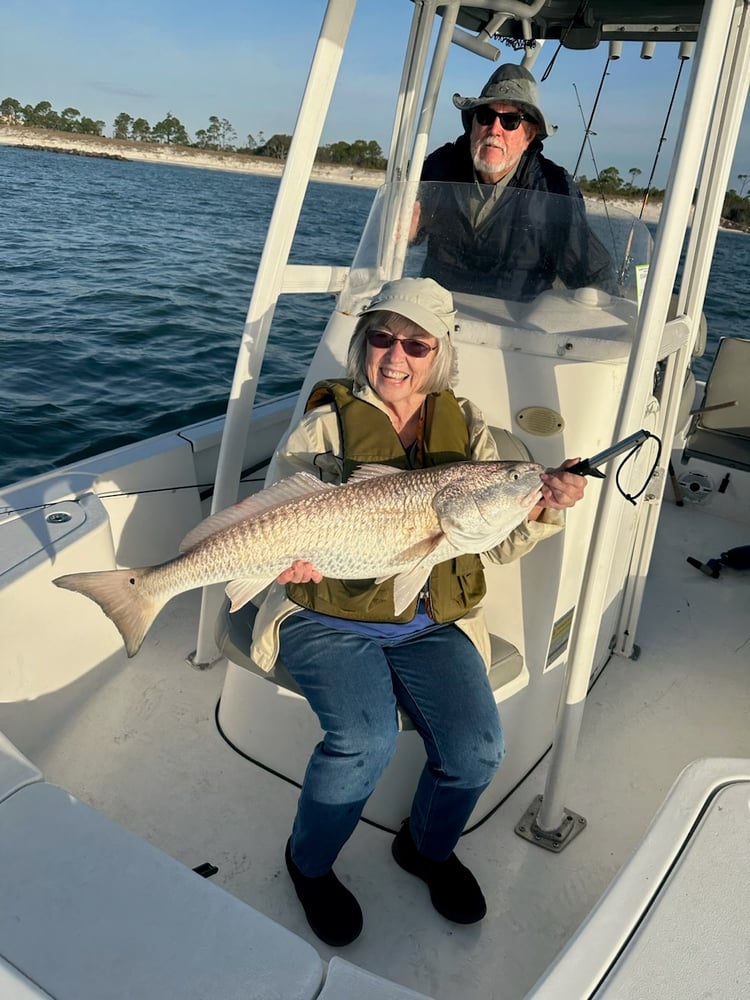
535 233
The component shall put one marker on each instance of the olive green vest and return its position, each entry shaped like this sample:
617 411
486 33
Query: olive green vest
368 436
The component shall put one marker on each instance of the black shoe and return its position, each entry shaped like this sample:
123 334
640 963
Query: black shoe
331 910
454 891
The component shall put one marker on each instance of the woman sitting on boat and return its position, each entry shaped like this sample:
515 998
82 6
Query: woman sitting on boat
353 658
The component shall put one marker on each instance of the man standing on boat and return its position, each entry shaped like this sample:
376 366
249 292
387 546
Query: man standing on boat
499 217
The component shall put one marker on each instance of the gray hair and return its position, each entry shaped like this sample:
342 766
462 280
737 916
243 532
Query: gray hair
443 372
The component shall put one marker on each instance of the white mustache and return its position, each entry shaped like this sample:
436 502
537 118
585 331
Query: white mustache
493 141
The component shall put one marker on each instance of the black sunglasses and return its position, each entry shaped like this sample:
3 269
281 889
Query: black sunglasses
510 120
385 340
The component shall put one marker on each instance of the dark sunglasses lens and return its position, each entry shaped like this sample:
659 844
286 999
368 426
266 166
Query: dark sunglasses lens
383 340
379 339
416 348
510 120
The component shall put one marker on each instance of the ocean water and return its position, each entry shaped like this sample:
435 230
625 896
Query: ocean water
125 288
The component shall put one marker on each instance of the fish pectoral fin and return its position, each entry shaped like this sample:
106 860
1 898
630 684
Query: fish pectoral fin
301 484
406 586
241 591
420 551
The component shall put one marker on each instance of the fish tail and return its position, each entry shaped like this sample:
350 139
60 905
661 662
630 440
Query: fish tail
123 601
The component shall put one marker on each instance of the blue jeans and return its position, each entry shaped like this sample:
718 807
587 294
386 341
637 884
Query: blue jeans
352 683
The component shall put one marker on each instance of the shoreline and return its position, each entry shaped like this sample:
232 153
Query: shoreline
185 156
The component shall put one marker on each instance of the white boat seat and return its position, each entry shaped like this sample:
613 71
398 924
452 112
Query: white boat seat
345 981
89 910
233 634
15 770
723 436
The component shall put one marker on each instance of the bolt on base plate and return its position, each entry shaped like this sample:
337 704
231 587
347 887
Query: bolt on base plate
551 840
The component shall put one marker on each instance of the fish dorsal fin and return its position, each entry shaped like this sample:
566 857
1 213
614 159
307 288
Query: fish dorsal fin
301 484
372 471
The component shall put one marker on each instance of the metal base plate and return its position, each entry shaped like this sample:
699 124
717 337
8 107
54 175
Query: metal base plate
551 840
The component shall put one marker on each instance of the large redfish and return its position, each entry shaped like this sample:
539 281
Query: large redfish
381 523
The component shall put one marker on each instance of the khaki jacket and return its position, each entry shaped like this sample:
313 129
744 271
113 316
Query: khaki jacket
314 446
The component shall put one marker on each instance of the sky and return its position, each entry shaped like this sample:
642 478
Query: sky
247 61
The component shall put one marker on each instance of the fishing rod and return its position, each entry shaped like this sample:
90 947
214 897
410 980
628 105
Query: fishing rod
587 139
614 53
686 50
207 489
586 467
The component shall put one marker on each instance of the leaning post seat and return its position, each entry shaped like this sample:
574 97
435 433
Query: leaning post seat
266 717
550 372
723 435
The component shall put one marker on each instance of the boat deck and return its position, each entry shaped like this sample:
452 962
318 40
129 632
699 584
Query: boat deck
138 740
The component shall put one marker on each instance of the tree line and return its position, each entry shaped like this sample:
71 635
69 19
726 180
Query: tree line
735 212
219 135
609 182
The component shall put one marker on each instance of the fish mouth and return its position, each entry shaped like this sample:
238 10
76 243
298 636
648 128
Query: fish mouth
532 499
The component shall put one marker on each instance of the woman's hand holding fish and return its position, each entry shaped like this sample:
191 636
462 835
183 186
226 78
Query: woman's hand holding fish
560 489
300 571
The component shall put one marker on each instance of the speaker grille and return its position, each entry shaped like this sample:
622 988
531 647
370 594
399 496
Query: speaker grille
540 420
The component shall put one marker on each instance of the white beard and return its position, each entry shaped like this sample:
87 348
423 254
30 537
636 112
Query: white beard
498 166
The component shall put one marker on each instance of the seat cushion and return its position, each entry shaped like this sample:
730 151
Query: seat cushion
92 912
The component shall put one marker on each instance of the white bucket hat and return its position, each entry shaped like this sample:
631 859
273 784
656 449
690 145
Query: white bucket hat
421 300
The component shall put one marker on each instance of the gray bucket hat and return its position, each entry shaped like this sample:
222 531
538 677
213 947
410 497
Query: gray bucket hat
509 84
421 300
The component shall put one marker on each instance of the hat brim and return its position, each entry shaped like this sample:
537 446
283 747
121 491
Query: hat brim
427 320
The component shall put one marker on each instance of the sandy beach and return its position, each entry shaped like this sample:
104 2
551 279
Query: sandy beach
186 156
